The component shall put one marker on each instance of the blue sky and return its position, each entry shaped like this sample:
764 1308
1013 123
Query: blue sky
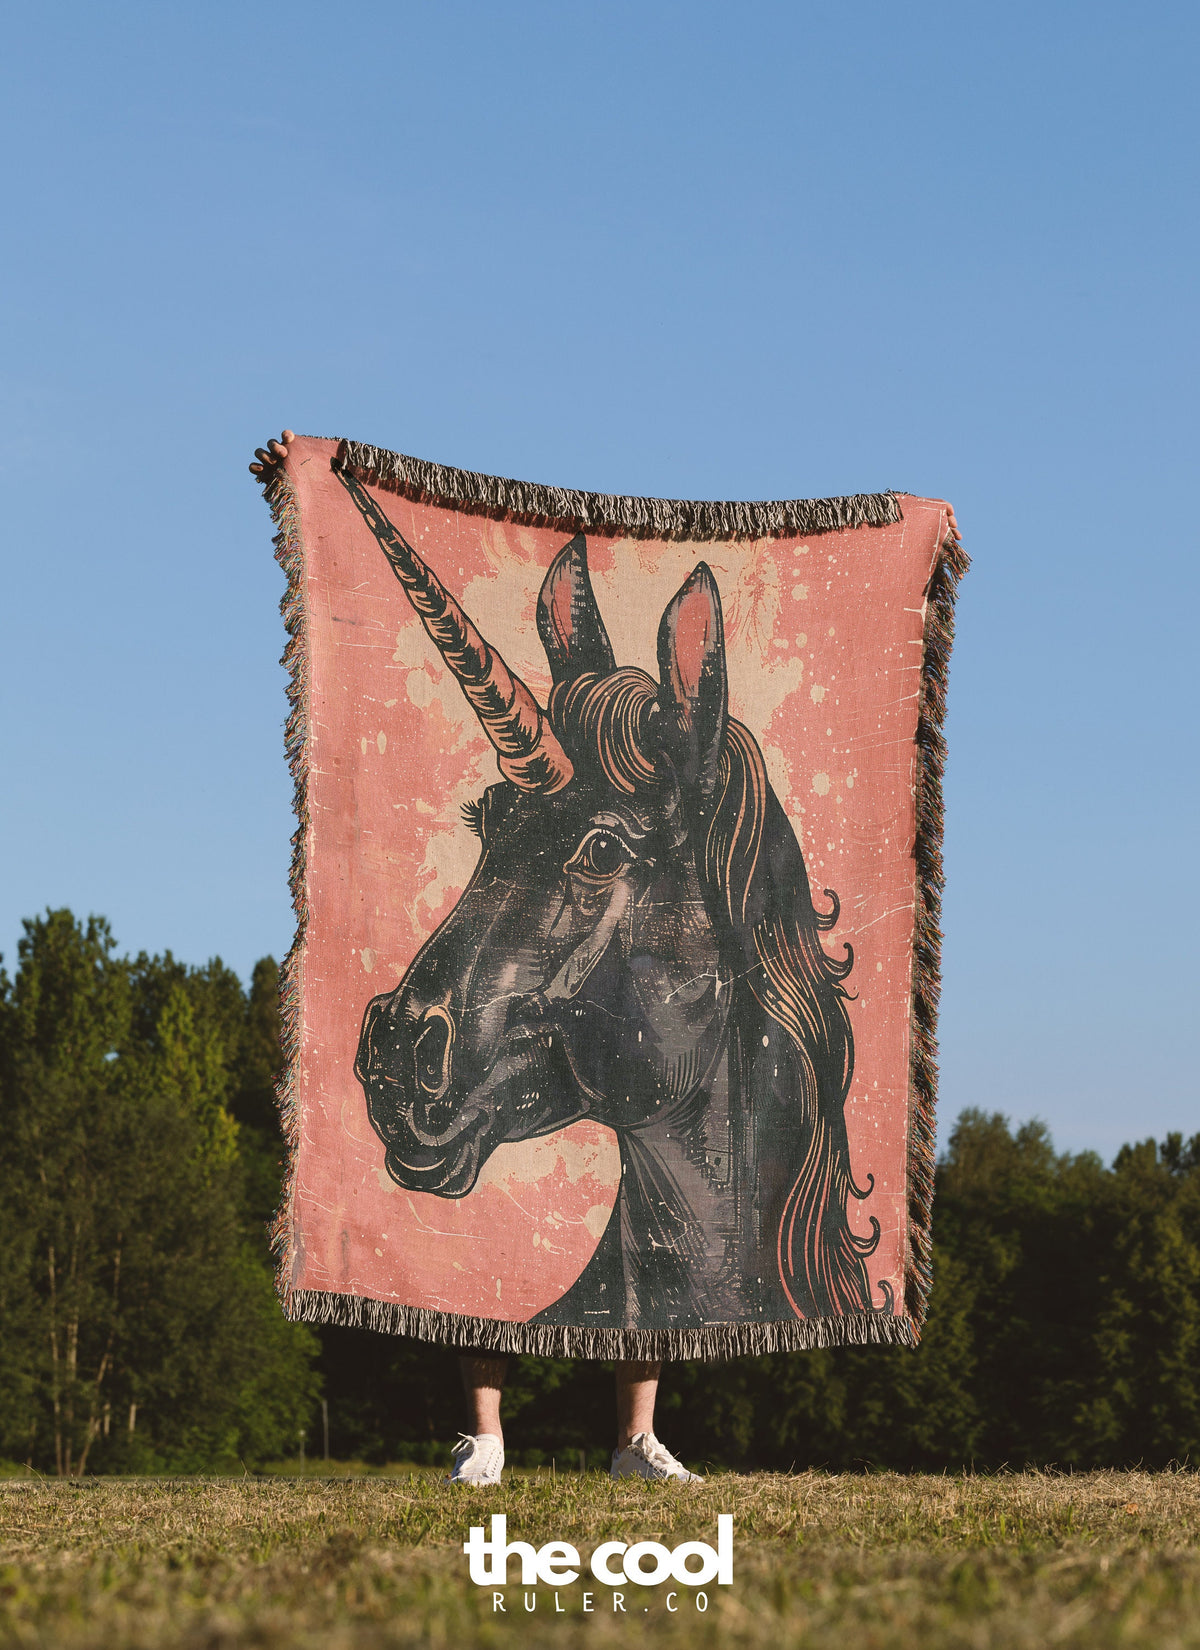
693 250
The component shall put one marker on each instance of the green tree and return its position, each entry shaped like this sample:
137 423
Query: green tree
144 1329
1143 1403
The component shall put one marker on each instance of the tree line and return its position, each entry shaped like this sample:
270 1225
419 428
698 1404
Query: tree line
140 1162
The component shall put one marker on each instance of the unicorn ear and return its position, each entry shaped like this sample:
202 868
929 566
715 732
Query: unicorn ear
568 619
694 694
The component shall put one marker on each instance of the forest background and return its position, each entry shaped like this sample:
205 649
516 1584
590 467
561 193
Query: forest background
140 1161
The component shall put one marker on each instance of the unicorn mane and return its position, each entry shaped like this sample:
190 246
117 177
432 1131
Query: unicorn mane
757 891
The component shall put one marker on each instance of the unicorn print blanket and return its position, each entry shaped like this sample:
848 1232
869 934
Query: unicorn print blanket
612 1004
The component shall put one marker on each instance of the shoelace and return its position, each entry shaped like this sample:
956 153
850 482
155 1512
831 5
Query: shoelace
658 1455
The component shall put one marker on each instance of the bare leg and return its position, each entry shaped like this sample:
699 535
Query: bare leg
482 1379
637 1388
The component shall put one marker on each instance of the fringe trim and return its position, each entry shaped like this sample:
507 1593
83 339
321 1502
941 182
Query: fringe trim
710 1341
289 553
940 596
572 512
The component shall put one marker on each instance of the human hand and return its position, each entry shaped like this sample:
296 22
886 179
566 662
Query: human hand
271 456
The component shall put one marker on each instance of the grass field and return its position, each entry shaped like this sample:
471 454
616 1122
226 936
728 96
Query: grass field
821 1561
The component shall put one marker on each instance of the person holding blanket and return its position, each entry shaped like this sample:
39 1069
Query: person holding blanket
640 949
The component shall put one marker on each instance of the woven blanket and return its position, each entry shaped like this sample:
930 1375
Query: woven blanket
610 1015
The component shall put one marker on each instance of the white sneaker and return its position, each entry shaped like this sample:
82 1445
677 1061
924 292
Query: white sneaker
477 1460
645 1457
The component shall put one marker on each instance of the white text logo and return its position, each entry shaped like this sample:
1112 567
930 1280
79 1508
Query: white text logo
557 1564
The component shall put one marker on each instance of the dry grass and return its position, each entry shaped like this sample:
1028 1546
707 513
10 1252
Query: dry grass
374 1563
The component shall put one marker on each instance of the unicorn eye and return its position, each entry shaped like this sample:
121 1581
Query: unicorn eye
600 856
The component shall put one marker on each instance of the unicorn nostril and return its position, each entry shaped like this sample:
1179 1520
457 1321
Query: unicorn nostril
432 1051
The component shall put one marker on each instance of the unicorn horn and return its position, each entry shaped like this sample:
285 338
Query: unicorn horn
527 749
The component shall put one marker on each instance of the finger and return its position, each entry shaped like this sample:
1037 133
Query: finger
256 469
288 437
278 449
264 456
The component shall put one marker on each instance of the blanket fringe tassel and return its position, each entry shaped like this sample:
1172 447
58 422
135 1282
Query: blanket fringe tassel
708 1341
940 597
289 552
533 505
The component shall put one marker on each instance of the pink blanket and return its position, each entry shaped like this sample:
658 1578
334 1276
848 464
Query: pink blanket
611 1009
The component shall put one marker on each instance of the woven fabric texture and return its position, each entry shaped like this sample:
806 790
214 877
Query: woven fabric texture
611 1012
